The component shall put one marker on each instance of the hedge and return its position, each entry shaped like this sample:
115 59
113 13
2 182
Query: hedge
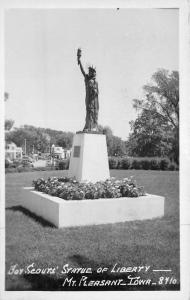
124 163
28 169
142 163
63 165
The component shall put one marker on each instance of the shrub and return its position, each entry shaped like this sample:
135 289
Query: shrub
164 164
63 164
177 167
70 189
47 168
136 164
6 163
21 169
11 170
125 163
113 162
154 164
173 167
145 164
24 169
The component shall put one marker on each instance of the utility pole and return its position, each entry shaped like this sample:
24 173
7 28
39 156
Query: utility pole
25 146
52 153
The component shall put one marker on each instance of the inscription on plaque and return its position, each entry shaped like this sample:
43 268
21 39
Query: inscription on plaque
76 151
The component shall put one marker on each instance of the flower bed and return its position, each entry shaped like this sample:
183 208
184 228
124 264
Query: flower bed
69 189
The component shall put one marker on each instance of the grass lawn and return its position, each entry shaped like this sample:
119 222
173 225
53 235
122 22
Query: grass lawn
154 243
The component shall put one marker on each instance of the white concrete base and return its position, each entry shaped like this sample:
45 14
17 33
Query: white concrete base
64 213
89 158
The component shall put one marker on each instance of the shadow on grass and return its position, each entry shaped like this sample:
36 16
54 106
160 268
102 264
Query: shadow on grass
80 282
29 214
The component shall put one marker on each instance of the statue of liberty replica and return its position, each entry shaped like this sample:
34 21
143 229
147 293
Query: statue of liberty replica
89 157
91 100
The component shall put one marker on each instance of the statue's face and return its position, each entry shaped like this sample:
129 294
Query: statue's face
92 73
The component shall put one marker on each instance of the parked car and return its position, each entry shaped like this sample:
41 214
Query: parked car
27 161
17 163
27 158
8 163
49 162
13 163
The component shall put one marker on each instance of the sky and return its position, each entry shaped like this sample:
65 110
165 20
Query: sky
43 79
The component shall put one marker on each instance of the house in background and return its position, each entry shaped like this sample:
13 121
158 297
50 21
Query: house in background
60 153
12 151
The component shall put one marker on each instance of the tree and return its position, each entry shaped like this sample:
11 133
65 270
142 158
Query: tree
39 139
9 124
105 130
115 145
151 136
6 96
162 96
156 129
64 139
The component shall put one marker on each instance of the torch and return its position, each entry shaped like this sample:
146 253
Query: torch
79 53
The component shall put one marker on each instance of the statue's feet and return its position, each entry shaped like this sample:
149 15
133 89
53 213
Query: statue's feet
93 130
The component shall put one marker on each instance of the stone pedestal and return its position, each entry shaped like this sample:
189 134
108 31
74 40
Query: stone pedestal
89 158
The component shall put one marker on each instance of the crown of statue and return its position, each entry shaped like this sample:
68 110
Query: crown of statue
92 68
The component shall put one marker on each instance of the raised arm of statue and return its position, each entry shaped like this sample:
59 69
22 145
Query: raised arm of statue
81 67
79 53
